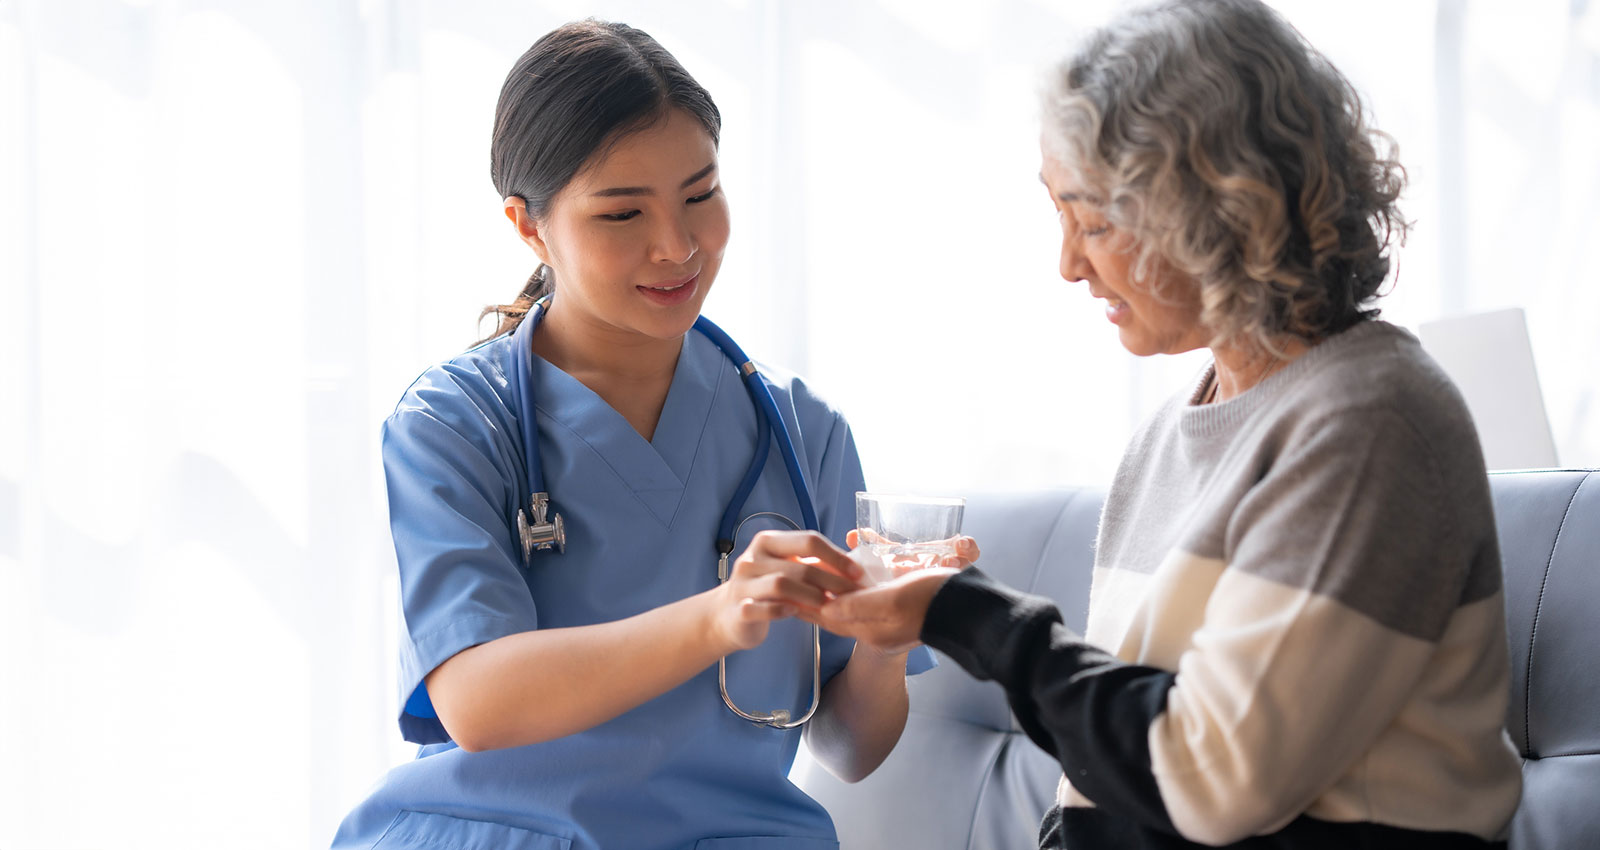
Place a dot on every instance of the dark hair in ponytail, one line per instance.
(566, 102)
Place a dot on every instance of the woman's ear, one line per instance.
(529, 229)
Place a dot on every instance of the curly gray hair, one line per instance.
(1232, 151)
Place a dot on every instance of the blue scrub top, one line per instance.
(679, 771)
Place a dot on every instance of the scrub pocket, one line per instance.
(766, 842)
(428, 831)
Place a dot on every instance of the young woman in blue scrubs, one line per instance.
(574, 702)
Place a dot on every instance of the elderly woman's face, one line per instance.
(1093, 251)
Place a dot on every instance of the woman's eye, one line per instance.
(1098, 230)
(619, 216)
(703, 197)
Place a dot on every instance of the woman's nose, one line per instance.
(1074, 266)
(674, 241)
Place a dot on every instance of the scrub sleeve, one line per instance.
(461, 583)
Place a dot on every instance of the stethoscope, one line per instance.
(540, 528)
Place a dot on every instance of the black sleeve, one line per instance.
(1089, 710)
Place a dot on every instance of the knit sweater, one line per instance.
(1296, 635)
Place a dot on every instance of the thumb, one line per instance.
(967, 549)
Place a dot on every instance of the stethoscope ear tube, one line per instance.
(768, 421)
(778, 718)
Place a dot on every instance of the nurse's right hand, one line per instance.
(780, 574)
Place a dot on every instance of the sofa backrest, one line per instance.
(964, 777)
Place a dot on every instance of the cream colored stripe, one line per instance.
(1445, 762)
(1114, 599)
(1279, 692)
(1149, 618)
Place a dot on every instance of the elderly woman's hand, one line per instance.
(887, 617)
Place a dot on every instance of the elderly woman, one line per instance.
(1295, 634)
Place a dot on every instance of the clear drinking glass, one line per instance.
(898, 534)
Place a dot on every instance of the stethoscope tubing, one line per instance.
(522, 385)
(769, 420)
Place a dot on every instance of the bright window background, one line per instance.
(231, 233)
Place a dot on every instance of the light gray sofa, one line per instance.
(964, 776)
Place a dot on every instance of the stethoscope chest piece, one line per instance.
(540, 529)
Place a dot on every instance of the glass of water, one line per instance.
(898, 534)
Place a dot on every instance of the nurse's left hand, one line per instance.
(782, 574)
(887, 617)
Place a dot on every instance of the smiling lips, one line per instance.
(671, 292)
(1116, 308)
